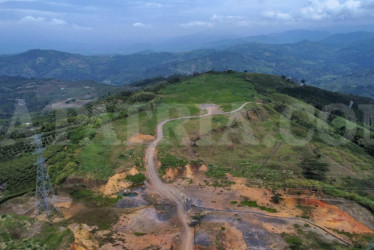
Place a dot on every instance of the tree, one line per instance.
(313, 169)
(276, 198)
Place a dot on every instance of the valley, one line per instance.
(339, 62)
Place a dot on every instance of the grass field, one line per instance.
(227, 90)
(248, 146)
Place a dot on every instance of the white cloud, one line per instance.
(153, 5)
(141, 25)
(277, 15)
(53, 21)
(319, 10)
(56, 21)
(330, 9)
(223, 18)
(239, 21)
(197, 24)
(31, 19)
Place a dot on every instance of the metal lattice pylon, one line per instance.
(44, 193)
(371, 245)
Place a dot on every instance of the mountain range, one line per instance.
(340, 62)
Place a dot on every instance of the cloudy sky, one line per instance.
(48, 23)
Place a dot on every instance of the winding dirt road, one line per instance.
(169, 191)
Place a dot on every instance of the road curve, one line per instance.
(168, 191)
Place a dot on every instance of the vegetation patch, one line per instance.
(254, 204)
(141, 97)
(170, 161)
(136, 179)
(217, 171)
(294, 242)
(103, 218)
(21, 232)
(139, 234)
(306, 211)
(91, 198)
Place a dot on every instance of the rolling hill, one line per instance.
(286, 160)
(342, 62)
(48, 94)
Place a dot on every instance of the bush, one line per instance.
(77, 135)
(249, 203)
(91, 198)
(136, 179)
(294, 242)
(276, 198)
(313, 169)
(216, 171)
(170, 161)
(139, 234)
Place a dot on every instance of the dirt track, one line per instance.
(167, 191)
(279, 217)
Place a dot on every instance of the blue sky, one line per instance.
(43, 23)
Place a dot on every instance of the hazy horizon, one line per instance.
(123, 26)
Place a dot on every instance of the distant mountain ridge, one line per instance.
(342, 62)
(293, 36)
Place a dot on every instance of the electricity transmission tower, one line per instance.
(44, 194)
(371, 245)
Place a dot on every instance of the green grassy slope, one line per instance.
(95, 144)
(264, 143)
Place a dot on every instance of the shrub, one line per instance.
(276, 198)
(139, 234)
(217, 171)
(249, 203)
(77, 135)
(294, 242)
(136, 179)
(314, 169)
(171, 161)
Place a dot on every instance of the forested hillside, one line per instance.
(341, 63)
(39, 94)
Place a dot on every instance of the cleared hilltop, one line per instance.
(251, 177)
